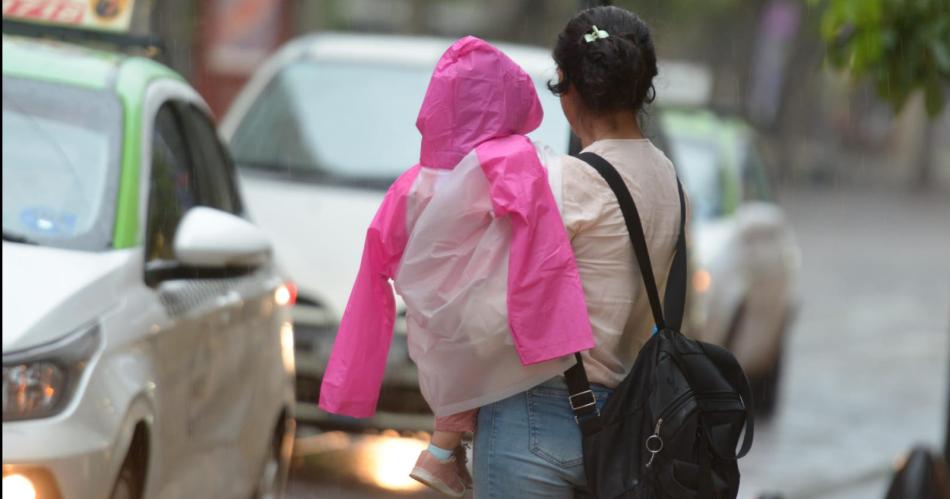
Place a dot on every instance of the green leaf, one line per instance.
(899, 46)
(941, 53)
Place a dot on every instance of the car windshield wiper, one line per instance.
(278, 166)
(17, 238)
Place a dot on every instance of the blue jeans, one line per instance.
(528, 445)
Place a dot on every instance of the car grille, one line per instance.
(308, 389)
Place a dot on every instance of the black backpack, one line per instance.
(671, 428)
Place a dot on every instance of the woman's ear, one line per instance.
(569, 106)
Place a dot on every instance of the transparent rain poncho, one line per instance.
(474, 242)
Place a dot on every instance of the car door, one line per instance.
(237, 415)
(182, 347)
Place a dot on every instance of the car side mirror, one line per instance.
(213, 239)
(211, 244)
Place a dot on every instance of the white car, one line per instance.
(744, 254)
(147, 339)
(319, 133)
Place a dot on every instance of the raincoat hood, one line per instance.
(476, 93)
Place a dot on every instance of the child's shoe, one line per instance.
(461, 462)
(442, 476)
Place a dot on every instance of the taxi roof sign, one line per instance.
(104, 24)
(93, 15)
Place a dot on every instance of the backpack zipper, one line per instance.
(676, 404)
(654, 443)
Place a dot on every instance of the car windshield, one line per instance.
(697, 163)
(60, 164)
(350, 122)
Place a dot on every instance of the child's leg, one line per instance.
(448, 433)
(460, 423)
(442, 465)
(446, 441)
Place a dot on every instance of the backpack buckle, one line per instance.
(586, 413)
(583, 404)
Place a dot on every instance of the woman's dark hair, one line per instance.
(610, 74)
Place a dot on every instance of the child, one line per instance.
(473, 240)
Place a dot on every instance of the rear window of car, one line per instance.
(698, 165)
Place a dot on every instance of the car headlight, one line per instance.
(702, 280)
(39, 382)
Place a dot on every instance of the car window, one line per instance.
(214, 172)
(61, 156)
(755, 180)
(316, 120)
(698, 164)
(171, 185)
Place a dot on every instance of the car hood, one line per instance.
(317, 231)
(48, 293)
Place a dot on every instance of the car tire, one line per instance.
(765, 387)
(274, 472)
(127, 484)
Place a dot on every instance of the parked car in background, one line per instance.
(319, 133)
(147, 339)
(744, 255)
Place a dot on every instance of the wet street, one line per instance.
(866, 372)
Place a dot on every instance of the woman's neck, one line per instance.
(619, 125)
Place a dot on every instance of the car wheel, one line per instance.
(765, 387)
(273, 476)
(130, 483)
(127, 484)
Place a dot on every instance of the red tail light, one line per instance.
(286, 294)
(293, 292)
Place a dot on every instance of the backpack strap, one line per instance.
(732, 371)
(581, 397)
(674, 297)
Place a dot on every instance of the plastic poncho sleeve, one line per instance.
(354, 374)
(547, 313)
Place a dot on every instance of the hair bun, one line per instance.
(611, 73)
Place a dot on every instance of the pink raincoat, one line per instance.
(475, 244)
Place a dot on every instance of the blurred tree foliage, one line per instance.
(900, 45)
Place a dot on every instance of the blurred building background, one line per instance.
(766, 58)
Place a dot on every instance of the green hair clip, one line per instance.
(595, 34)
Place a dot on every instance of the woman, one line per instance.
(529, 445)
